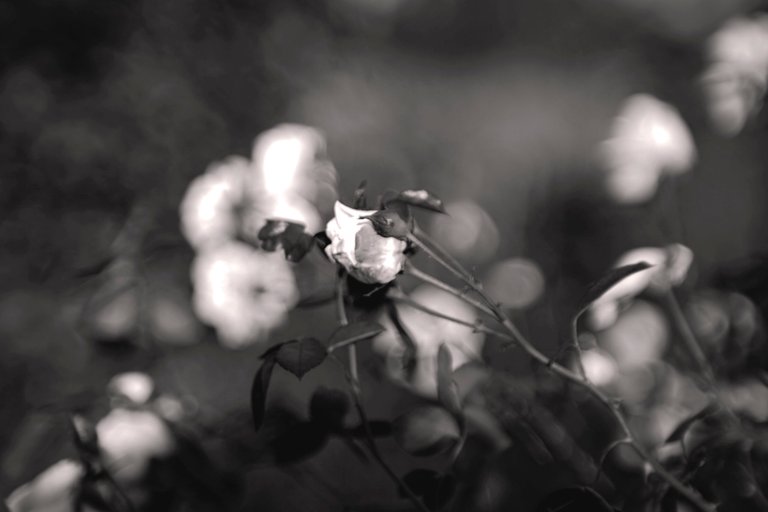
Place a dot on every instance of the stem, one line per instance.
(686, 333)
(423, 241)
(423, 276)
(494, 310)
(477, 326)
(354, 383)
(577, 346)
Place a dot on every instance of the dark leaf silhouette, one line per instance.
(447, 390)
(433, 488)
(296, 243)
(328, 407)
(300, 355)
(260, 387)
(608, 281)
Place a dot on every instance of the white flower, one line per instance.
(366, 255)
(669, 267)
(648, 139)
(135, 386)
(53, 490)
(735, 82)
(242, 292)
(129, 440)
(428, 333)
(208, 210)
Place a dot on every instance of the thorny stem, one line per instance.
(423, 276)
(423, 241)
(477, 325)
(354, 384)
(496, 312)
(686, 333)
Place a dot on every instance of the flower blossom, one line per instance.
(242, 292)
(289, 177)
(53, 490)
(355, 245)
(669, 267)
(736, 78)
(648, 139)
(428, 333)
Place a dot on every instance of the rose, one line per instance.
(355, 245)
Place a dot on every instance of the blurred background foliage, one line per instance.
(108, 109)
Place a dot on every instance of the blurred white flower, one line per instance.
(638, 337)
(428, 333)
(648, 139)
(515, 282)
(208, 210)
(292, 179)
(242, 292)
(53, 490)
(129, 440)
(366, 255)
(599, 366)
(467, 232)
(135, 386)
(735, 81)
(289, 178)
(670, 267)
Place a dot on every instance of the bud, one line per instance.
(355, 245)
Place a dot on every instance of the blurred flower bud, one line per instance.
(129, 439)
(428, 333)
(467, 232)
(242, 292)
(515, 283)
(648, 139)
(208, 210)
(137, 387)
(355, 245)
(53, 490)
(735, 81)
(669, 267)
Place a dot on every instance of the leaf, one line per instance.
(433, 488)
(377, 428)
(426, 431)
(608, 281)
(421, 199)
(298, 442)
(574, 499)
(328, 407)
(260, 387)
(447, 389)
(352, 333)
(684, 425)
(301, 355)
(289, 235)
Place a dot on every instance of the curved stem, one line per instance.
(494, 310)
(423, 276)
(354, 383)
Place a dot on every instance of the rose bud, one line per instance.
(355, 245)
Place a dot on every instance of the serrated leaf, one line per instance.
(421, 199)
(426, 431)
(574, 499)
(260, 387)
(301, 355)
(447, 389)
(608, 281)
(352, 333)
